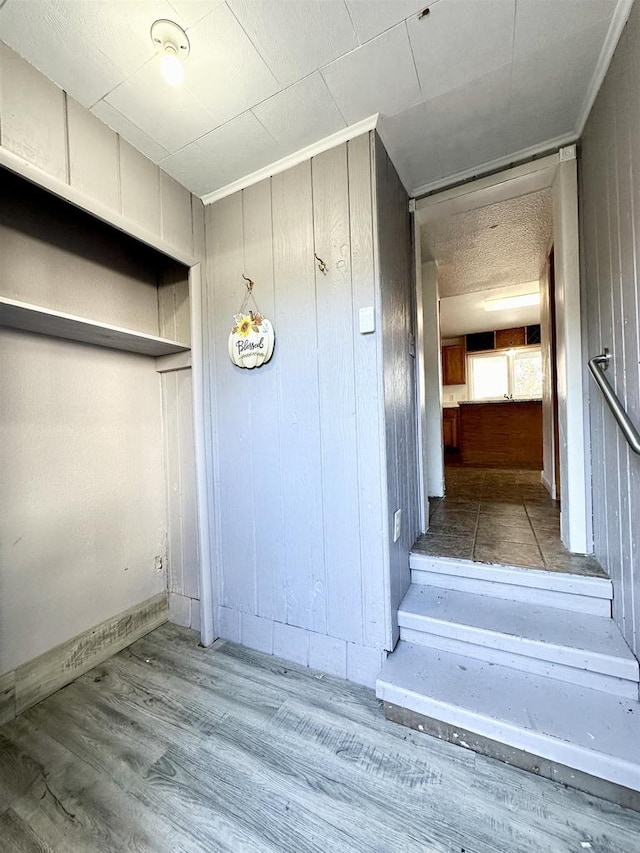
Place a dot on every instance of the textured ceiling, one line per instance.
(470, 83)
(465, 314)
(501, 244)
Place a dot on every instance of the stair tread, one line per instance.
(591, 641)
(535, 578)
(578, 726)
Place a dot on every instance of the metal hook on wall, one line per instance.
(321, 264)
(249, 282)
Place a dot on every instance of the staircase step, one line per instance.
(568, 645)
(581, 728)
(534, 586)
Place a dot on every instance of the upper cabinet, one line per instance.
(454, 365)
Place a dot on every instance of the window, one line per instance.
(513, 373)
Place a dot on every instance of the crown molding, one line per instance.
(291, 160)
(547, 147)
(618, 21)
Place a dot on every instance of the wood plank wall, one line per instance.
(610, 216)
(396, 287)
(302, 551)
(42, 125)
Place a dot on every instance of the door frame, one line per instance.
(557, 172)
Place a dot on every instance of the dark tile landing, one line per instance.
(497, 516)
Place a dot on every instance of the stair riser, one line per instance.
(595, 764)
(612, 685)
(549, 598)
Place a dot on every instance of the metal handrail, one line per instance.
(597, 365)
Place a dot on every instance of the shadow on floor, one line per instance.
(498, 516)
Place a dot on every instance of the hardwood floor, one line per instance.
(171, 747)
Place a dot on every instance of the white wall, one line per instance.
(82, 514)
(548, 415)
(61, 144)
(610, 208)
(433, 381)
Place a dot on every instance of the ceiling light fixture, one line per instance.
(523, 300)
(171, 42)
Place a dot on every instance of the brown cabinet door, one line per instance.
(450, 429)
(453, 365)
(506, 338)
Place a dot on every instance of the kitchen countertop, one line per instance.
(498, 401)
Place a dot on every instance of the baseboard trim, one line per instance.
(36, 679)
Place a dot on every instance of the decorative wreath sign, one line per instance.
(252, 337)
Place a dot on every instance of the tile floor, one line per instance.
(497, 516)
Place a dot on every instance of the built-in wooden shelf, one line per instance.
(45, 321)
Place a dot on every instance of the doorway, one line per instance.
(555, 178)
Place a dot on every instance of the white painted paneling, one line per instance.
(336, 383)
(182, 550)
(140, 188)
(371, 19)
(176, 212)
(93, 156)
(138, 138)
(379, 77)
(296, 38)
(33, 115)
(267, 457)
(368, 393)
(301, 114)
(302, 529)
(460, 41)
(610, 199)
(538, 25)
(235, 488)
(224, 71)
(396, 299)
(304, 570)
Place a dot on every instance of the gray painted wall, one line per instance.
(303, 553)
(49, 591)
(82, 512)
(398, 367)
(610, 208)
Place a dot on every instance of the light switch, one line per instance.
(367, 321)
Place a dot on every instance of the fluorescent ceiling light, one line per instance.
(523, 300)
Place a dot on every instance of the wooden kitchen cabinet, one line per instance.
(454, 364)
(506, 338)
(451, 428)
